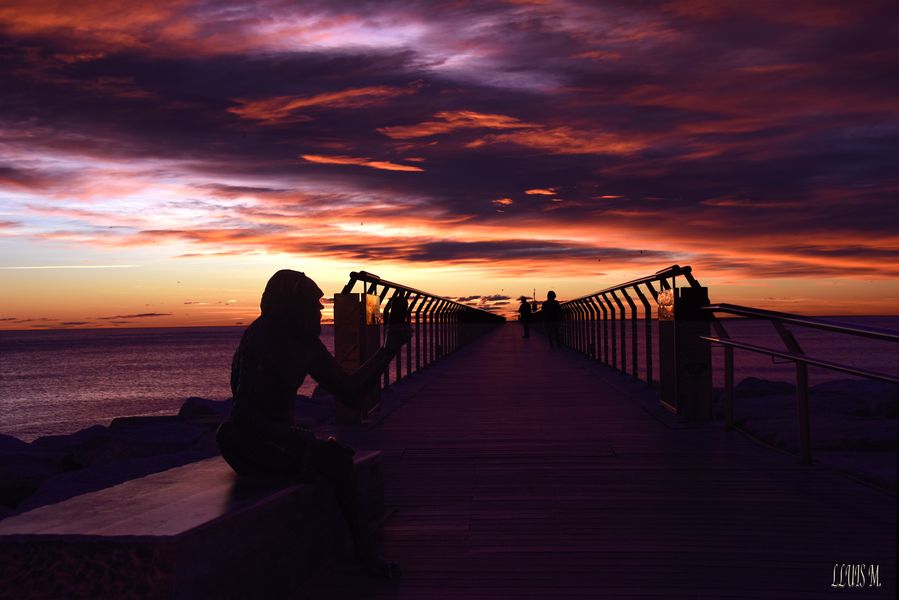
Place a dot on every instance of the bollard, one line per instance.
(685, 373)
(357, 336)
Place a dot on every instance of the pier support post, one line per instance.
(685, 370)
(357, 336)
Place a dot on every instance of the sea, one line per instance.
(60, 381)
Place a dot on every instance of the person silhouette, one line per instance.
(274, 356)
(552, 318)
(524, 315)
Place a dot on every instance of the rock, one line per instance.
(201, 409)
(9, 443)
(137, 437)
(859, 397)
(79, 446)
(753, 387)
(23, 470)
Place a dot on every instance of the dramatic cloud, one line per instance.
(554, 139)
(137, 316)
(286, 109)
(362, 162)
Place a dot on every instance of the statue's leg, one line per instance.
(335, 463)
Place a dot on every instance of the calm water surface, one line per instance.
(64, 380)
(61, 381)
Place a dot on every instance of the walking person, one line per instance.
(524, 315)
(552, 318)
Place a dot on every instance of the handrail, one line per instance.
(441, 325)
(373, 279)
(793, 353)
(596, 324)
(826, 325)
(817, 362)
(670, 272)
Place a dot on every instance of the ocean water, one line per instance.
(61, 381)
(862, 353)
(54, 382)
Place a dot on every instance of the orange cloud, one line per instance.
(453, 120)
(565, 140)
(283, 109)
(362, 162)
(541, 192)
(96, 25)
(503, 202)
(558, 140)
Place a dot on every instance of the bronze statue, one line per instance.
(276, 353)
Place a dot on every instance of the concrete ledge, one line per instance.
(189, 532)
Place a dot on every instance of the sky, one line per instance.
(160, 160)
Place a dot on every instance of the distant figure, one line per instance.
(552, 318)
(275, 354)
(524, 315)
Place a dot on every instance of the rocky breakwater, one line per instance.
(53, 468)
(853, 423)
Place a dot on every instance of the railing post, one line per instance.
(421, 334)
(613, 343)
(685, 373)
(357, 327)
(412, 306)
(802, 407)
(457, 325)
(585, 326)
(634, 351)
(593, 343)
(605, 329)
(728, 388)
(623, 321)
(444, 330)
(577, 321)
(647, 318)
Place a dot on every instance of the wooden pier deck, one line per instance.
(517, 471)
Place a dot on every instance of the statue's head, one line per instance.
(295, 299)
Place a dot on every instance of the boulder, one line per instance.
(137, 437)
(9, 443)
(23, 469)
(859, 397)
(79, 447)
(201, 409)
(753, 387)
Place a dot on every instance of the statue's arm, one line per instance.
(353, 386)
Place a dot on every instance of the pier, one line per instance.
(548, 476)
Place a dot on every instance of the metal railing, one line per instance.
(441, 326)
(601, 324)
(793, 353)
(592, 324)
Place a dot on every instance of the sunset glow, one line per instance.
(158, 162)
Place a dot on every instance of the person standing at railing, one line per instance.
(552, 318)
(275, 354)
(524, 315)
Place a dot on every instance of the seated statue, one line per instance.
(276, 353)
